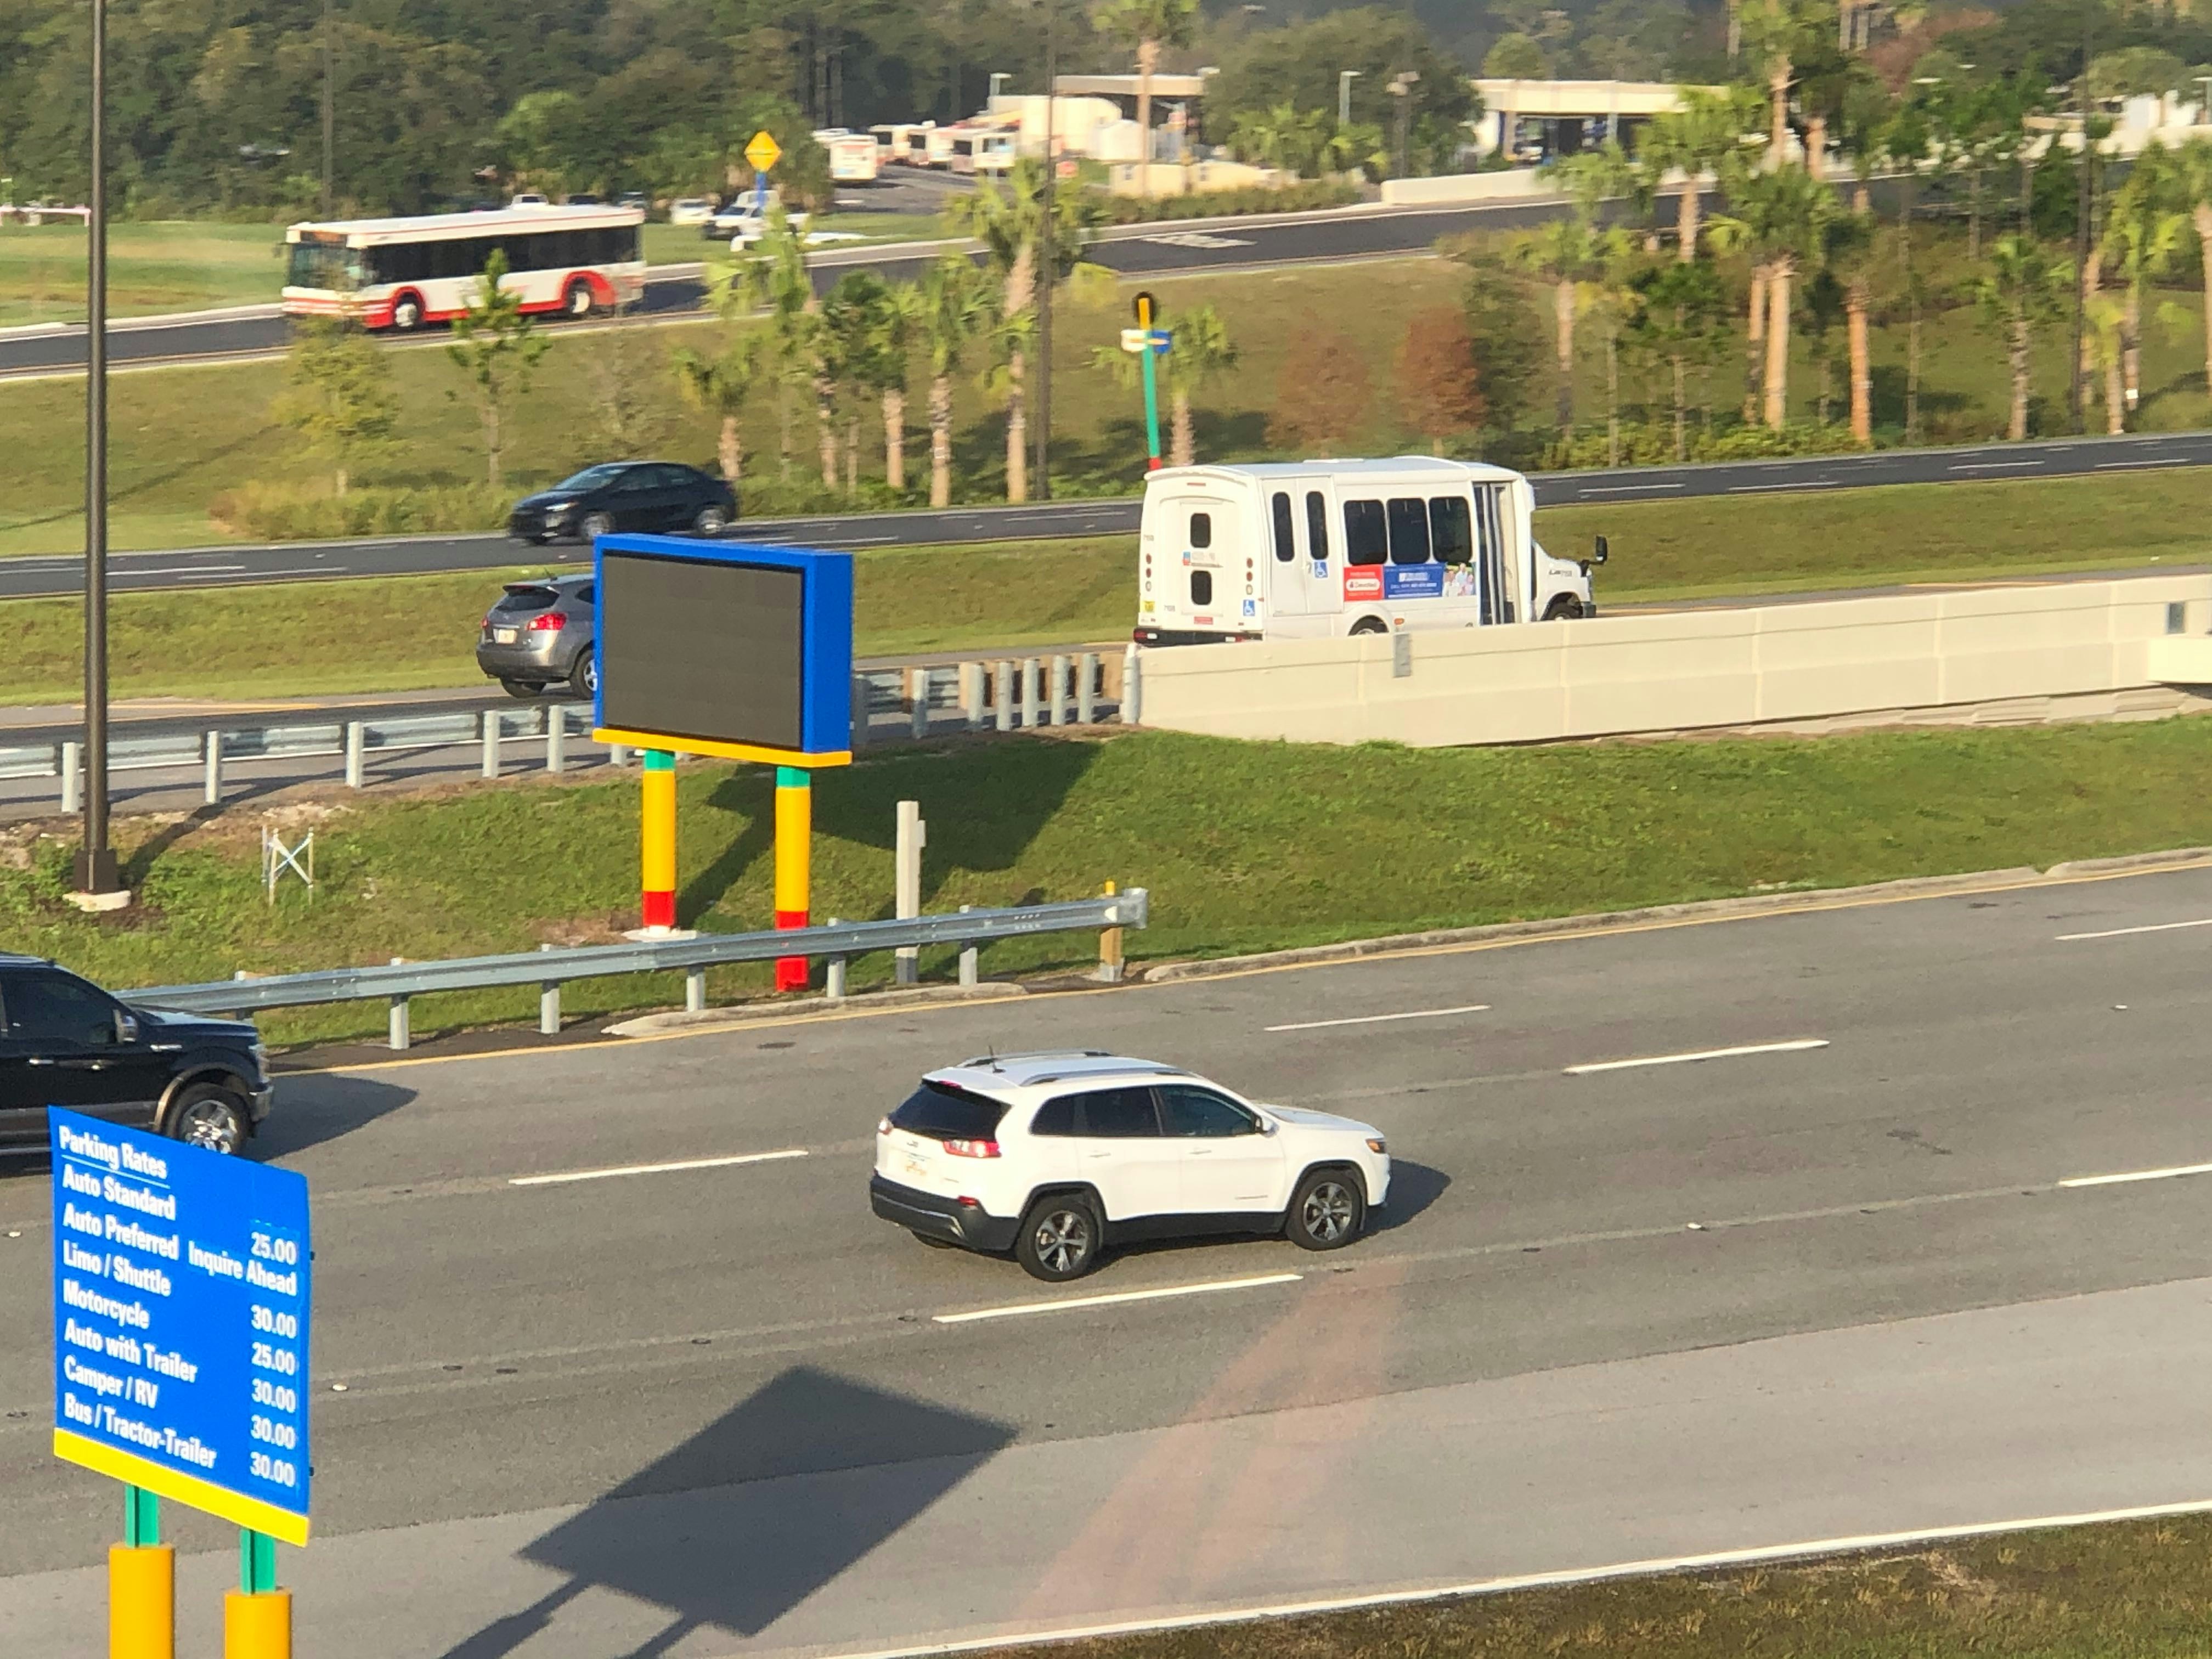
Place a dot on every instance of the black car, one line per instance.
(65, 1041)
(624, 495)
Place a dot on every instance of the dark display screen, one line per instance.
(707, 650)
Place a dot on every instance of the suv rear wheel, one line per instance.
(1327, 1212)
(209, 1115)
(521, 687)
(586, 675)
(1059, 1238)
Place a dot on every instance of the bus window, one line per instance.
(1202, 588)
(1451, 526)
(1316, 527)
(1285, 528)
(1365, 539)
(1201, 530)
(1409, 530)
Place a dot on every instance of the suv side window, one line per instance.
(1055, 1118)
(1118, 1114)
(1191, 1112)
(49, 1007)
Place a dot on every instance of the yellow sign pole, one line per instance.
(141, 1583)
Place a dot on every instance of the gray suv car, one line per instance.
(540, 634)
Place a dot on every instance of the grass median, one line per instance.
(399, 634)
(1244, 847)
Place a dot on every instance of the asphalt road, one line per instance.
(1610, 1315)
(48, 576)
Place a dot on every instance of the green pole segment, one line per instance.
(142, 1517)
(256, 1562)
(793, 777)
(1152, 408)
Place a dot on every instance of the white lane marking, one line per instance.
(1792, 1047)
(1590, 1575)
(2114, 466)
(1377, 1020)
(2147, 927)
(1116, 1297)
(1991, 466)
(654, 1168)
(1810, 483)
(2138, 1174)
(1625, 490)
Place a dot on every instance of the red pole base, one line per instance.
(791, 972)
(658, 910)
(1153, 462)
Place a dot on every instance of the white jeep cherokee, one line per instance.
(1056, 1156)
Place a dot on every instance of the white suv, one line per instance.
(1056, 1156)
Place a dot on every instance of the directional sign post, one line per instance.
(182, 1290)
(1156, 340)
(763, 153)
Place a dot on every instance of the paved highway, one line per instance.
(1787, 1294)
(46, 576)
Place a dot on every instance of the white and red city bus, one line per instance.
(402, 273)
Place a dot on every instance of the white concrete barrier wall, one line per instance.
(1684, 670)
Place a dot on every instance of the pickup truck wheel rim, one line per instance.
(1327, 1213)
(1063, 1240)
(210, 1124)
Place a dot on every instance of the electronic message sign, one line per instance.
(723, 648)
(182, 1285)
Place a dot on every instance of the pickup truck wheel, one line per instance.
(1327, 1212)
(1565, 608)
(209, 1115)
(1059, 1238)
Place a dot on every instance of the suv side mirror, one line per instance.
(1598, 553)
(126, 1028)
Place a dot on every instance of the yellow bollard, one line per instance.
(142, 1601)
(257, 1625)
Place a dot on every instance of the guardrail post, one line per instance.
(491, 743)
(1029, 694)
(1109, 950)
(556, 739)
(618, 754)
(549, 1005)
(694, 991)
(973, 676)
(1086, 688)
(917, 686)
(1133, 687)
(833, 978)
(1002, 701)
(357, 741)
(211, 790)
(859, 709)
(966, 958)
(912, 837)
(72, 771)
(396, 1023)
(1058, 690)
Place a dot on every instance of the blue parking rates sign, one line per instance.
(182, 1285)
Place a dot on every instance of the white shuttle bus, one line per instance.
(1310, 549)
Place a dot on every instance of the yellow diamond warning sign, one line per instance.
(763, 152)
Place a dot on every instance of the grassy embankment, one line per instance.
(1243, 846)
(420, 631)
(183, 437)
(2133, 1589)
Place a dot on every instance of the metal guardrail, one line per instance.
(548, 969)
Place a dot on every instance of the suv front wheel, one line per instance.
(209, 1115)
(1059, 1238)
(1327, 1212)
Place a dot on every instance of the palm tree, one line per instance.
(952, 308)
(1147, 25)
(2022, 285)
(1677, 315)
(1566, 253)
(774, 276)
(1692, 140)
(2192, 166)
(722, 384)
(1783, 217)
(2142, 238)
(1201, 351)
(1852, 254)
(863, 324)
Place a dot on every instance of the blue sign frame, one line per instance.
(183, 1289)
(825, 648)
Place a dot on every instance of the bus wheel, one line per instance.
(579, 301)
(1565, 608)
(1370, 625)
(407, 313)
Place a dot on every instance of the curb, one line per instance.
(750, 1013)
(1698, 910)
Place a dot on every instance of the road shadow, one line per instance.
(698, 1535)
(314, 1107)
(1414, 1188)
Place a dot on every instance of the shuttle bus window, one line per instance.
(1286, 547)
(1201, 530)
(1202, 588)
(1409, 530)
(1365, 541)
(1451, 526)
(1316, 527)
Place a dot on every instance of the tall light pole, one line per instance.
(1048, 269)
(1344, 80)
(330, 106)
(1401, 89)
(95, 861)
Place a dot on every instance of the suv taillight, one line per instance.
(550, 622)
(883, 1126)
(972, 1148)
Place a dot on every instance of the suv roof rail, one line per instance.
(994, 1062)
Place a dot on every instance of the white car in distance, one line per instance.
(690, 210)
(1056, 1157)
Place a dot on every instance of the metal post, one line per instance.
(1003, 700)
(549, 1005)
(967, 959)
(917, 691)
(973, 676)
(1344, 80)
(1058, 690)
(256, 1616)
(794, 850)
(211, 787)
(1152, 381)
(618, 754)
(357, 744)
(1109, 950)
(491, 743)
(142, 1597)
(657, 842)
(396, 1025)
(1086, 688)
(912, 837)
(833, 977)
(1133, 687)
(1029, 694)
(95, 859)
(557, 739)
(694, 991)
(72, 776)
(859, 709)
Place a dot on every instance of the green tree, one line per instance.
(2020, 285)
(773, 277)
(496, 346)
(865, 322)
(1782, 218)
(2143, 235)
(1505, 336)
(338, 394)
(1516, 58)
(1677, 319)
(2193, 180)
(721, 383)
(1148, 25)
(1692, 140)
(1439, 390)
(1567, 253)
(953, 307)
